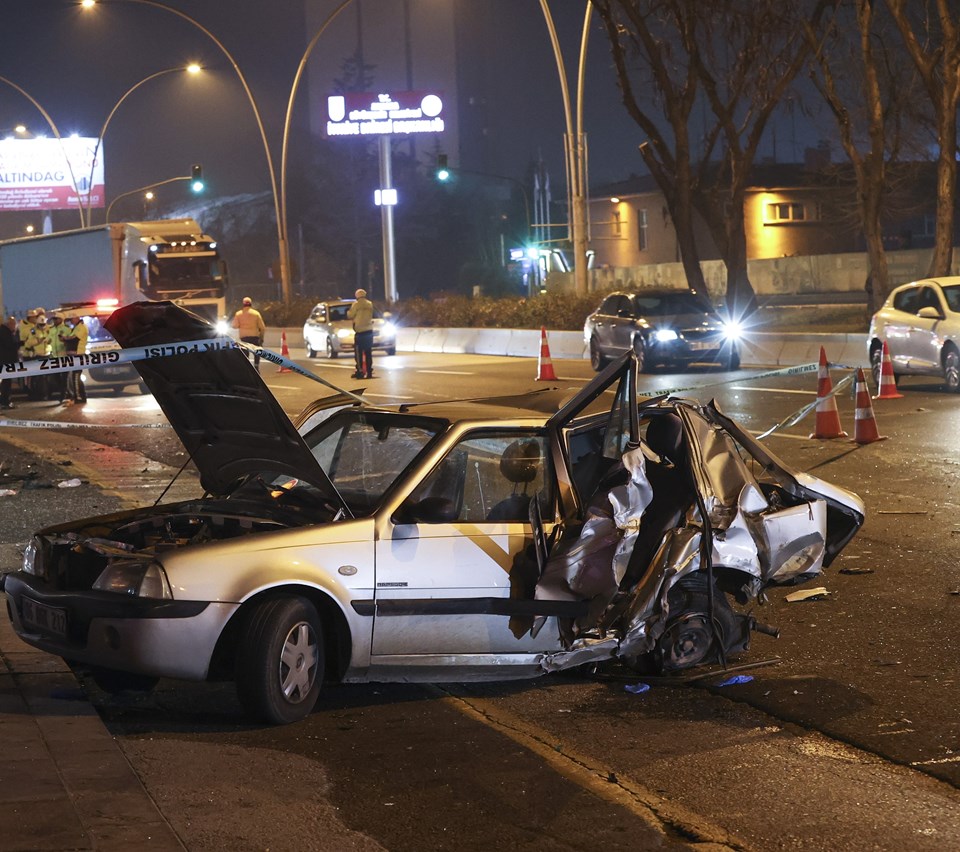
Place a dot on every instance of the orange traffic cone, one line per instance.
(545, 371)
(828, 418)
(284, 351)
(864, 421)
(888, 384)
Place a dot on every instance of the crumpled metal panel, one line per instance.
(795, 541)
(736, 546)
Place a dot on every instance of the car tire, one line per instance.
(280, 660)
(331, 351)
(951, 369)
(733, 360)
(116, 390)
(311, 352)
(391, 350)
(597, 360)
(876, 365)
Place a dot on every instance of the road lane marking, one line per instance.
(601, 781)
(773, 390)
(448, 372)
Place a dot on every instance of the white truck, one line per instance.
(92, 271)
(115, 264)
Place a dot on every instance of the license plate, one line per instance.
(114, 371)
(48, 619)
(702, 345)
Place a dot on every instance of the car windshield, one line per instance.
(364, 453)
(97, 333)
(952, 295)
(667, 304)
(338, 313)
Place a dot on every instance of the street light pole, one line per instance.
(56, 132)
(575, 147)
(281, 240)
(191, 69)
(149, 186)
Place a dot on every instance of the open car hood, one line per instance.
(226, 417)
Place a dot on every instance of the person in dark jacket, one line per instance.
(9, 353)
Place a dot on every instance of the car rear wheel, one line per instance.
(597, 361)
(876, 364)
(951, 370)
(331, 351)
(280, 660)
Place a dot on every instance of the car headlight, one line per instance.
(139, 579)
(32, 564)
(222, 328)
(663, 335)
(733, 331)
(344, 332)
(388, 329)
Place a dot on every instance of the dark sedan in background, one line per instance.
(664, 328)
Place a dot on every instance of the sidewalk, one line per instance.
(65, 784)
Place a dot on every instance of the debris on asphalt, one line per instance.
(855, 570)
(735, 680)
(637, 688)
(807, 595)
(70, 483)
(7, 492)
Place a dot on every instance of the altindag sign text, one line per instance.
(50, 174)
(395, 113)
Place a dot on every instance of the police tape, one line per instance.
(48, 365)
(798, 370)
(283, 361)
(66, 424)
(799, 414)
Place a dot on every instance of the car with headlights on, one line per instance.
(329, 330)
(479, 539)
(920, 323)
(662, 327)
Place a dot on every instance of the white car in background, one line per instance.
(329, 330)
(920, 323)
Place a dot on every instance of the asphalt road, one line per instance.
(849, 741)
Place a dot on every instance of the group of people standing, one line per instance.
(36, 337)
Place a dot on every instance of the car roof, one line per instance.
(942, 280)
(334, 303)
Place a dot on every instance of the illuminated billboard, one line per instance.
(50, 174)
(396, 114)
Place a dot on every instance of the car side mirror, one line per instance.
(930, 312)
(429, 510)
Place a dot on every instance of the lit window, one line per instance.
(786, 211)
(642, 229)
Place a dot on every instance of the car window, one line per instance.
(952, 294)
(907, 300)
(490, 476)
(318, 314)
(338, 313)
(668, 304)
(364, 453)
(609, 305)
(624, 307)
(930, 299)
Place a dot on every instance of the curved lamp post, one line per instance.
(53, 127)
(575, 147)
(193, 68)
(149, 186)
(281, 239)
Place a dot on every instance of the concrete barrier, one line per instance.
(759, 349)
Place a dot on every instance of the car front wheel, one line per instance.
(391, 350)
(597, 361)
(280, 660)
(644, 364)
(951, 370)
(311, 352)
(332, 351)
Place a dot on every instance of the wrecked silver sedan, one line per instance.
(484, 539)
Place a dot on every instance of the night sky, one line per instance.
(77, 64)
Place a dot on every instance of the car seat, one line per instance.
(673, 493)
(520, 464)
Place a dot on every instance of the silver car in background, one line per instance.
(920, 323)
(329, 330)
(663, 328)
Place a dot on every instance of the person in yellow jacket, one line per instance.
(76, 344)
(361, 312)
(250, 326)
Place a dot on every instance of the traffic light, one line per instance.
(443, 173)
(196, 179)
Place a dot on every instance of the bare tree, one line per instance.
(932, 36)
(862, 79)
(735, 58)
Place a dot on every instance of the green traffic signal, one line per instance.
(196, 179)
(443, 173)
